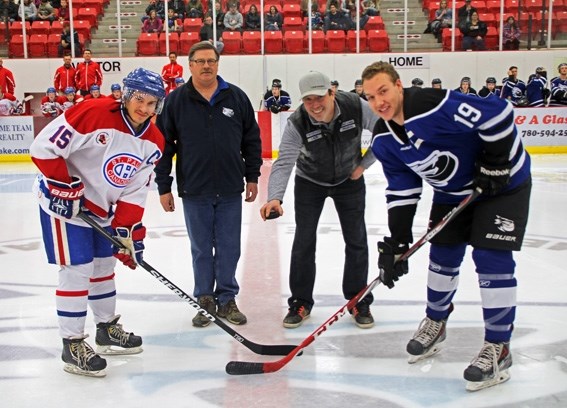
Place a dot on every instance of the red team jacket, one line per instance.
(7, 83)
(64, 77)
(88, 74)
(168, 73)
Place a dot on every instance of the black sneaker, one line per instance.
(80, 358)
(112, 339)
(296, 314)
(208, 303)
(230, 312)
(362, 315)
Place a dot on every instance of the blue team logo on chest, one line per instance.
(437, 168)
(120, 168)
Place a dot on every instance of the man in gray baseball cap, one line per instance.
(322, 139)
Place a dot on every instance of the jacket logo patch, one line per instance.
(119, 169)
(228, 112)
(347, 125)
(102, 138)
(315, 135)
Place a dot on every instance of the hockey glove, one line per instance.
(133, 239)
(492, 178)
(65, 198)
(389, 253)
(275, 108)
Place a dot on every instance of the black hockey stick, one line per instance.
(265, 349)
(243, 367)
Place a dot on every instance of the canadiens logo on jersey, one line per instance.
(102, 138)
(119, 169)
(437, 168)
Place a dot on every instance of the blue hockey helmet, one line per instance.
(145, 81)
(115, 87)
(51, 90)
(179, 81)
(69, 90)
(95, 88)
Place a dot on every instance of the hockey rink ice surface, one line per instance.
(183, 366)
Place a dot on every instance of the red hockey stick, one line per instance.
(244, 368)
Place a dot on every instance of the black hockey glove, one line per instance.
(275, 109)
(564, 96)
(492, 178)
(389, 253)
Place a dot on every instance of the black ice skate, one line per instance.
(80, 358)
(112, 339)
(490, 367)
(427, 339)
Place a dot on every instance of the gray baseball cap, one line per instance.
(314, 83)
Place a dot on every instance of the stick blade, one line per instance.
(244, 368)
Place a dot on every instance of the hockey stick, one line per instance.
(264, 349)
(244, 368)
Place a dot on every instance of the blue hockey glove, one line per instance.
(65, 199)
(389, 253)
(492, 178)
(133, 239)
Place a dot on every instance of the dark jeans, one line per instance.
(214, 225)
(349, 199)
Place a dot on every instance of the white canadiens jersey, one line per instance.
(94, 141)
(7, 107)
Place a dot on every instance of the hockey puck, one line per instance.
(272, 215)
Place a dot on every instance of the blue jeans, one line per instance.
(214, 225)
(349, 199)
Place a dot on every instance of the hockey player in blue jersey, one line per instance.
(513, 88)
(454, 143)
(489, 89)
(536, 90)
(559, 87)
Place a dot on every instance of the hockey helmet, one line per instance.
(276, 83)
(563, 64)
(179, 81)
(334, 82)
(145, 81)
(466, 80)
(417, 82)
(358, 82)
(51, 90)
(436, 81)
(490, 80)
(115, 87)
(69, 90)
(95, 88)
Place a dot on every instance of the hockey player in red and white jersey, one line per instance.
(97, 157)
(8, 104)
(70, 96)
(51, 103)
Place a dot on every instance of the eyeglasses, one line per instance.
(201, 62)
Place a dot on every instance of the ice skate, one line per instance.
(80, 358)
(490, 367)
(112, 339)
(427, 339)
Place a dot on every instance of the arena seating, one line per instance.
(16, 46)
(37, 46)
(232, 42)
(293, 42)
(273, 42)
(186, 41)
(40, 27)
(251, 42)
(317, 42)
(351, 41)
(378, 41)
(147, 44)
(173, 43)
(336, 41)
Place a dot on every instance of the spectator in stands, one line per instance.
(220, 17)
(46, 12)
(158, 6)
(253, 19)
(335, 20)
(536, 88)
(7, 82)
(273, 20)
(65, 42)
(206, 33)
(474, 32)
(115, 92)
(174, 23)
(170, 72)
(304, 8)
(88, 73)
(464, 14)
(8, 11)
(335, 85)
(513, 88)
(341, 6)
(233, 20)
(358, 89)
(465, 87)
(277, 100)
(63, 11)
(30, 11)
(153, 24)
(64, 76)
(194, 9)
(489, 89)
(178, 7)
(371, 7)
(436, 83)
(558, 87)
(443, 19)
(353, 16)
(317, 22)
(511, 34)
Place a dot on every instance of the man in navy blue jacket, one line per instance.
(210, 125)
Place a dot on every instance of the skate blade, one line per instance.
(73, 369)
(479, 385)
(414, 359)
(117, 351)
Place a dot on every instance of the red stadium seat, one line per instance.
(293, 42)
(251, 42)
(88, 14)
(378, 41)
(2, 31)
(16, 46)
(273, 42)
(491, 39)
(446, 39)
(83, 27)
(173, 43)
(147, 44)
(56, 27)
(192, 24)
(53, 41)
(317, 41)
(374, 23)
(511, 6)
(37, 46)
(232, 42)
(40, 27)
(489, 19)
(336, 41)
(291, 10)
(98, 5)
(293, 24)
(186, 41)
(16, 28)
(493, 6)
(479, 5)
(351, 41)
(533, 6)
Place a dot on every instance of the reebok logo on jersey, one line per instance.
(119, 169)
(504, 224)
(484, 283)
(228, 112)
